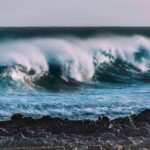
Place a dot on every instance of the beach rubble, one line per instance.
(132, 132)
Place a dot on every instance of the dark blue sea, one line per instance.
(76, 73)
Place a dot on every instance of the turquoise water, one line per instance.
(87, 103)
(78, 73)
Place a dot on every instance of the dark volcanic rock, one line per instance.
(142, 117)
(109, 134)
(17, 117)
(126, 126)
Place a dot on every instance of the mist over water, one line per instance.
(75, 58)
(74, 77)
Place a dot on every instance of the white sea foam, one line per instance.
(78, 57)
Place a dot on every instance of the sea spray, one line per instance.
(74, 76)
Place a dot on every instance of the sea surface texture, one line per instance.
(77, 73)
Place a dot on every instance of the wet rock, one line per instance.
(107, 146)
(19, 136)
(144, 149)
(144, 144)
(3, 132)
(56, 148)
(111, 126)
(17, 117)
(144, 132)
(109, 137)
(129, 147)
(129, 132)
(117, 147)
(127, 142)
(142, 117)
(125, 121)
(81, 147)
(55, 140)
(95, 147)
(102, 121)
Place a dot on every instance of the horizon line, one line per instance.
(75, 26)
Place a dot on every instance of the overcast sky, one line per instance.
(74, 12)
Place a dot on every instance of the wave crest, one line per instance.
(52, 63)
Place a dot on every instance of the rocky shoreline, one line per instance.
(126, 133)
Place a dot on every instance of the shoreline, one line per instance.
(132, 132)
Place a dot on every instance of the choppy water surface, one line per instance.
(74, 77)
(110, 100)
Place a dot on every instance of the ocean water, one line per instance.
(76, 73)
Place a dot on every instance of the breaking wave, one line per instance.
(67, 63)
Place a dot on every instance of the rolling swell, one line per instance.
(68, 63)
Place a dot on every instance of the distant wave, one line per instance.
(55, 63)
